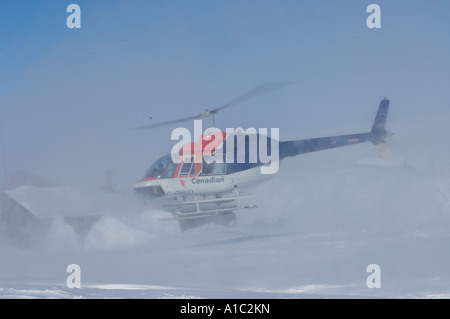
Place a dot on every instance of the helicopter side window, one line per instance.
(187, 168)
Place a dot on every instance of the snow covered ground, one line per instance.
(319, 223)
(69, 97)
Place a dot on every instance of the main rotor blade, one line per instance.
(255, 92)
(250, 94)
(184, 119)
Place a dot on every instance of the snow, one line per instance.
(320, 222)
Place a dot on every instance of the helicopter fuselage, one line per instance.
(199, 182)
(192, 175)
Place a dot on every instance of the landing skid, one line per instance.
(199, 210)
(227, 219)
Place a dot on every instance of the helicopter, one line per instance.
(206, 180)
(202, 181)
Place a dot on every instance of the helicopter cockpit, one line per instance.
(164, 167)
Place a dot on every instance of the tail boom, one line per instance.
(377, 136)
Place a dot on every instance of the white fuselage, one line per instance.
(204, 185)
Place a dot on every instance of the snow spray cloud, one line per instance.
(257, 145)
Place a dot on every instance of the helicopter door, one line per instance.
(213, 168)
(187, 167)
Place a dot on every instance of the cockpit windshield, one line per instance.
(162, 168)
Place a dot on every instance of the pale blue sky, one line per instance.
(68, 97)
